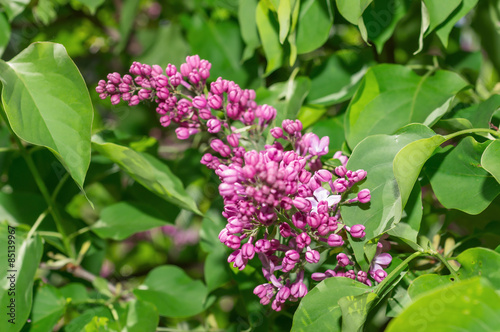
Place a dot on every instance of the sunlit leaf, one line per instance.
(47, 103)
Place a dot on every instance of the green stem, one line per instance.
(79, 232)
(51, 234)
(445, 263)
(397, 270)
(472, 131)
(41, 186)
(36, 224)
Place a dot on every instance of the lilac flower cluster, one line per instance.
(281, 205)
(180, 97)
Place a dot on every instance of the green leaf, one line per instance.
(14, 7)
(391, 96)
(352, 10)
(286, 97)
(216, 271)
(121, 220)
(480, 262)
(439, 11)
(74, 293)
(473, 187)
(141, 316)
(333, 128)
(409, 225)
(410, 160)
(173, 292)
(348, 67)
(490, 160)
(221, 44)
(266, 25)
(310, 115)
(127, 20)
(284, 17)
(319, 310)
(47, 103)
(470, 305)
(27, 257)
(381, 18)
(92, 5)
(479, 115)
(211, 226)
(248, 27)
(78, 324)
(375, 155)
(14, 210)
(149, 172)
(314, 24)
(355, 309)
(48, 307)
(427, 283)
(444, 29)
(4, 33)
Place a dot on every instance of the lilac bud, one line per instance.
(229, 176)
(340, 171)
(357, 231)
(335, 240)
(283, 294)
(226, 189)
(360, 175)
(262, 245)
(233, 140)
(156, 70)
(343, 260)
(292, 255)
(185, 69)
(277, 132)
(193, 61)
(312, 256)
(144, 94)
(205, 114)
(204, 73)
(251, 158)
(194, 77)
(305, 176)
(299, 220)
(248, 251)
(216, 87)
(378, 275)
(135, 68)
(302, 204)
(176, 79)
(298, 290)
(318, 276)
(165, 120)
(232, 257)
(215, 102)
(303, 240)
(184, 133)
(223, 235)
(364, 196)
(233, 242)
(146, 70)
(285, 230)
(362, 276)
(134, 100)
(115, 99)
(171, 70)
(214, 126)
(199, 101)
(323, 175)
(114, 78)
(111, 88)
(350, 274)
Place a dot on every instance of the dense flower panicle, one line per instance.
(281, 205)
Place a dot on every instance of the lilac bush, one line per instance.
(281, 203)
